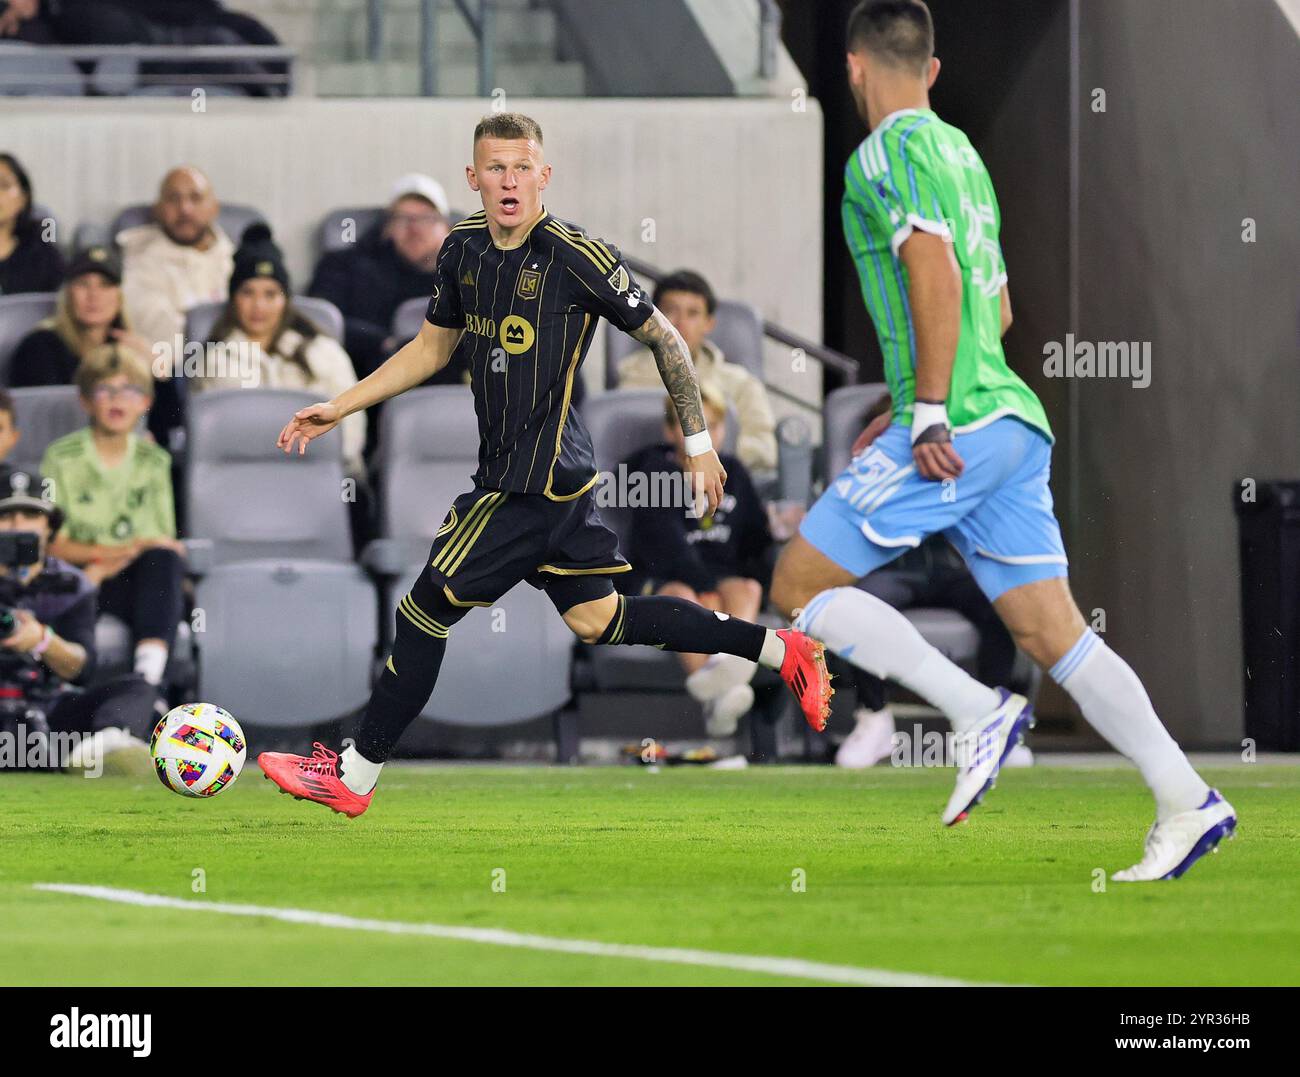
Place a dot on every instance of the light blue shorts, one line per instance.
(998, 514)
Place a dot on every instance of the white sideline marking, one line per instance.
(772, 966)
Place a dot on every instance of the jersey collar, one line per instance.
(527, 232)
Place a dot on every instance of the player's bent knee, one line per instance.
(589, 620)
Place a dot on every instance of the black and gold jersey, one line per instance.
(529, 314)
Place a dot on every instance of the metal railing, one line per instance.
(842, 364)
(176, 55)
(479, 15)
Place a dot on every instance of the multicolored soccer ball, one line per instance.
(198, 749)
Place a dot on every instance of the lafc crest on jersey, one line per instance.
(529, 279)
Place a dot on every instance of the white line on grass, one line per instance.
(772, 966)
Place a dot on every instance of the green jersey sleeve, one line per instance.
(893, 184)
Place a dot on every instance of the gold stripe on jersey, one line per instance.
(596, 247)
(594, 252)
(617, 634)
(474, 220)
(469, 542)
(564, 415)
(452, 518)
(460, 532)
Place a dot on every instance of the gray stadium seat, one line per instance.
(738, 332)
(18, 316)
(200, 318)
(408, 319)
(247, 496)
(115, 76)
(429, 443)
(91, 234)
(30, 71)
(330, 236)
(42, 415)
(232, 217)
(286, 643)
(845, 414)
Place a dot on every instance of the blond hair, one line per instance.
(509, 125)
(65, 325)
(107, 361)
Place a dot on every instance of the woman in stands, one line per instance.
(116, 491)
(29, 260)
(88, 314)
(271, 345)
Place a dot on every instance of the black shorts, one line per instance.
(492, 539)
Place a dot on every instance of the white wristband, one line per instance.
(698, 444)
(925, 416)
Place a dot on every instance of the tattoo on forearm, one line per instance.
(675, 367)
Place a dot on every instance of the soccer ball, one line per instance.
(198, 749)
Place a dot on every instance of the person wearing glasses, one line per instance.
(379, 269)
(115, 488)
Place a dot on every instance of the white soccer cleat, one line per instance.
(720, 674)
(722, 715)
(114, 750)
(981, 751)
(1176, 844)
(871, 741)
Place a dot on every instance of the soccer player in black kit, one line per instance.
(522, 292)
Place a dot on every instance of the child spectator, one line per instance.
(115, 489)
(291, 352)
(712, 560)
(688, 302)
(27, 262)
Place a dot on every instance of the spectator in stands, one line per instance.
(179, 260)
(23, 21)
(290, 351)
(12, 480)
(389, 264)
(716, 561)
(933, 575)
(169, 22)
(54, 604)
(29, 259)
(88, 314)
(116, 490)
(689, 303)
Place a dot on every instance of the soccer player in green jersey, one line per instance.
(967, 454)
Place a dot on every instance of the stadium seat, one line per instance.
(408, 319)
(286, 642)
(43, 414)
(30, 71)
(845, 414)
(200, 319)
(428, 450)
(738, 332)
(18, 316)
(233, 218)
(330, 235)
(247, 496)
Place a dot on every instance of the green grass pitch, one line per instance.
(675, 858)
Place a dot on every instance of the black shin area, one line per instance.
(424, 618)
(678, 625)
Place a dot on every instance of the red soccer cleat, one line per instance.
(315, 778)
(804, 670)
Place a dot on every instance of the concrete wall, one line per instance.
(1201, 130)
(701, 170)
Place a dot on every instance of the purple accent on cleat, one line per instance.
(1209, 840)
(1023, 723)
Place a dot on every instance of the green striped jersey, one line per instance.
(529, 313)
(916, 172)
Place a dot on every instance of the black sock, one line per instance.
(404, 686)
(678, 625)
